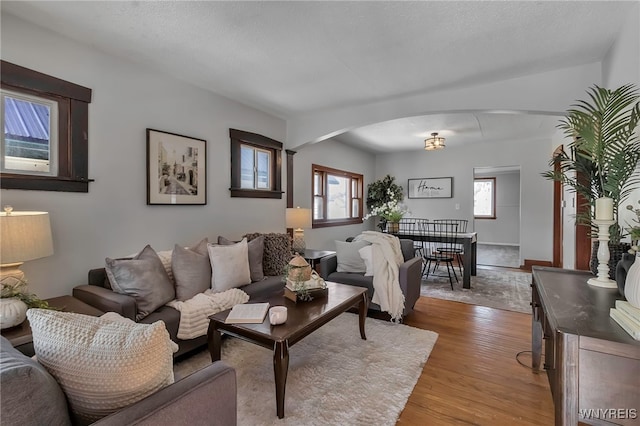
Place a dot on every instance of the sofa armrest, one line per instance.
(410, 280)
(328, 265)
(208, 396)
(106, 300)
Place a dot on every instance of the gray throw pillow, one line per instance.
(348, 257)
(256, 251)
(191, 270)
(30, 395)
(144, 278)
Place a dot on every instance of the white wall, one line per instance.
(329, 153)
(536, 222)
(505, 228)
(113, 218)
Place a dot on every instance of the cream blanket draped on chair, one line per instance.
(387, 256)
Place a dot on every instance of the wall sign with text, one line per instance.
(441, 187)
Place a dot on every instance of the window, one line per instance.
(337, 197)
(255, 165)
(484, 198)
(44, 145)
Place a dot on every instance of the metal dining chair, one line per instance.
(443, 250)
(458, 248)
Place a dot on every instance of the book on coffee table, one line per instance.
(247, 313)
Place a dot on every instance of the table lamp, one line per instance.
(298, 219)
(23, 236)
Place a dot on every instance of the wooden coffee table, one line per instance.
(302, 319)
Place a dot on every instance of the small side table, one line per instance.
(20, 335)
(313, 256)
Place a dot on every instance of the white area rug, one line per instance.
(335, 377)
(509, 290)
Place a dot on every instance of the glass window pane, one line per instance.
(337, 197)
(355, 205)
(354, 188)
(317, 183)
(29, 135)
(263, 169)
(247, 167)
(317, 208)
(483, 198)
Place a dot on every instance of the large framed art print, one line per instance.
(440, 187)
(176, 169)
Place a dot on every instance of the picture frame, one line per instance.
(439, 187)
(176, 169)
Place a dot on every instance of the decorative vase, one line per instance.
(632, 284)
(393, 227)
(622, 269)
(13, 311)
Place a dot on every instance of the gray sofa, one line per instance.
(98, 293)
(410, 276)
(31, 397)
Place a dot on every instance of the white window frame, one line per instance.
(256, 152)
(38, 165)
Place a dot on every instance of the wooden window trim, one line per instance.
(73, 130)
(492, 216)
(324, 223)
(239, 138)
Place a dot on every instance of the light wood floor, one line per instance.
(472, 376)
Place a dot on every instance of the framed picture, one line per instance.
(441, 187)
(176, 169)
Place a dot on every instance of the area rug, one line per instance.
(498, 255)
(335, 377)
(509, 290)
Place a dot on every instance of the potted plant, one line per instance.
(383, 200)
(15, 300)
(602, 157)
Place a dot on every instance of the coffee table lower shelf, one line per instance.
(303, 318)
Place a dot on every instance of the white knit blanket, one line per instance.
(195, 312)
(386, 257)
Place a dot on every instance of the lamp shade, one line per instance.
(298, 218)
(24, 236)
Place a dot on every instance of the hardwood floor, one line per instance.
(472, 376)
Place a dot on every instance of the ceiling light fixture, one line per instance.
(434, 142)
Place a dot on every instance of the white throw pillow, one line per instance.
(229, 265)
(101, 365)
(366, 253)
(348, 257)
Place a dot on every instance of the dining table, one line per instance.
(468, 240)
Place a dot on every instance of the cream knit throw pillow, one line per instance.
(101, 365)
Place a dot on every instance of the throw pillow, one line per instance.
(144, 278)
(277, 252)
(191, 270)
(256, 252)
(348, 257)
(366, 253)
(30, 395)
(101, 365)
(229, 266)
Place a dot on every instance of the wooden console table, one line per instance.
(591, 362)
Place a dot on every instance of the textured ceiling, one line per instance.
(293, 58)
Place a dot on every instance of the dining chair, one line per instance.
(443, 250)
(458, 248)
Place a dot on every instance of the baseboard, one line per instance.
(528, 263)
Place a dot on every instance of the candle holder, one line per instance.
(602, 280)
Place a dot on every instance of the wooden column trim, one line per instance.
(290, 155)
(557, 213)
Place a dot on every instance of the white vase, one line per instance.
(632, 283)
(13, 311)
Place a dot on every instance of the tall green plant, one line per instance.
(604, 150)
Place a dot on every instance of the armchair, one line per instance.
(410, 276)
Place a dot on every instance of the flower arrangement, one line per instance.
(391, 211)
